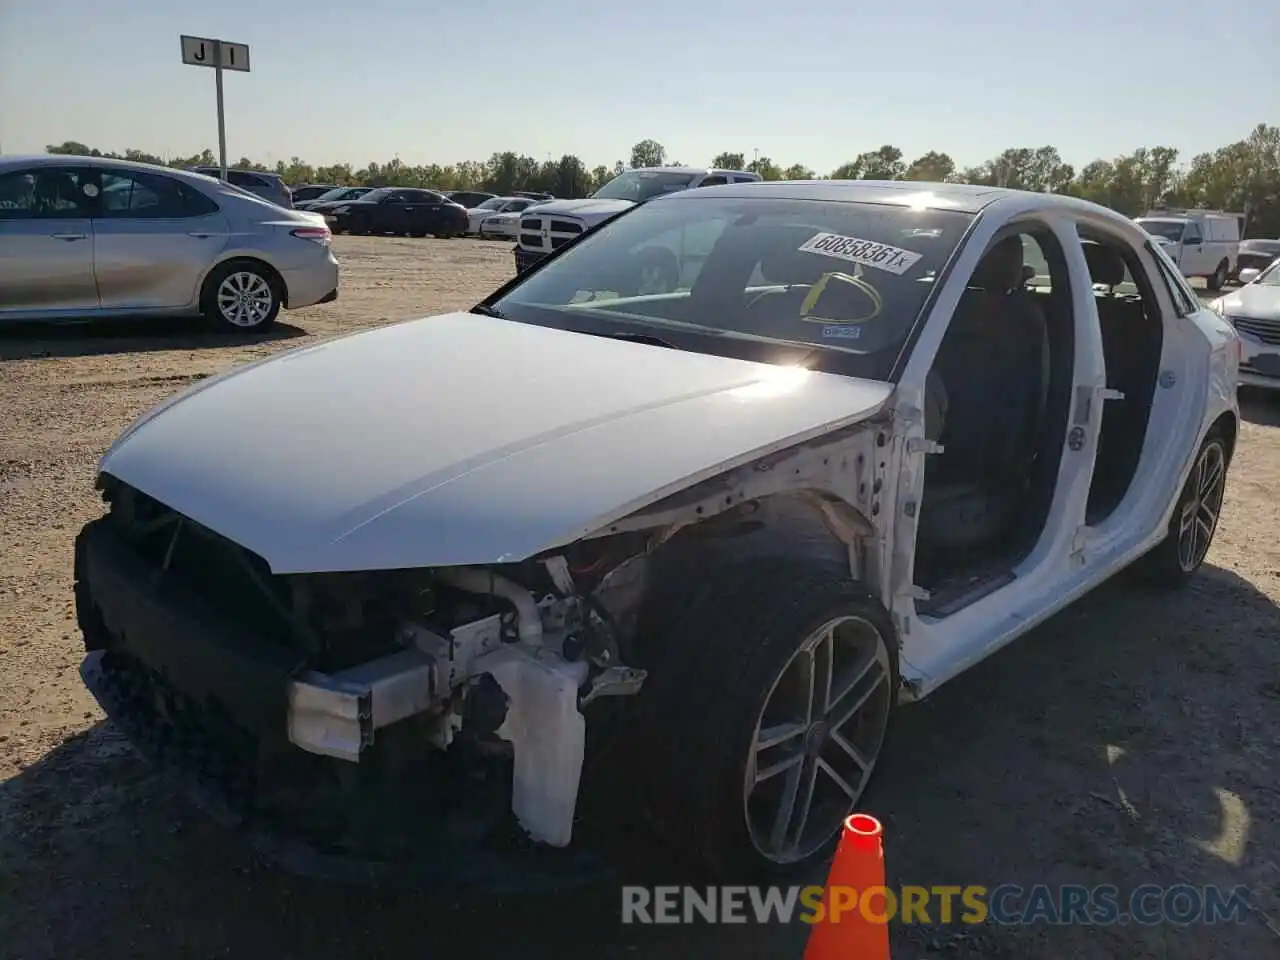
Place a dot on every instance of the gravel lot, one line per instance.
(1130, 740)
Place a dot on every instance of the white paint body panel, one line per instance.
(1070, 558)
(461, 439)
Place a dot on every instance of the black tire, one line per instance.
(336, 230)
(1219, 278)
(729, 649)
(417, 234)
(260, 286)
(1173, 562)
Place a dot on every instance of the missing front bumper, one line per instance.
(208, 706)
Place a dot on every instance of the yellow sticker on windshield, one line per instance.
(871, 309)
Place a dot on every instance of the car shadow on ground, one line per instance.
(1260, 406)
(31, 341)
(1129, 740)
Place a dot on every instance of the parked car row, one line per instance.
(417, 212)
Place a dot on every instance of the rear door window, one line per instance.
(147, 196)
(45, 193)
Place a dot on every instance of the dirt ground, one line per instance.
(1133, 739)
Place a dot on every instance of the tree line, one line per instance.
(1243, 177)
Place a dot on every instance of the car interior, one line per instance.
(1132, 342)
(999, 398)
(1001, 385)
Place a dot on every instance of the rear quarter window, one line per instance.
(242, 179)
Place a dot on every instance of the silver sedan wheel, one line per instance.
(817, 739)
(245, 299)
(1199, 516)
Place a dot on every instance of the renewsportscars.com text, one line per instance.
(1007, 904)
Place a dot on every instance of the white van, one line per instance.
(1203, 243)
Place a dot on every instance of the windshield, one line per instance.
(1270, 248)
(374, 195)
(638, 185)
(492, 204)
(338, 193)
(1170, 230)
(835, 285)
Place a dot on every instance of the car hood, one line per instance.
(1258, 301)
(586, 209)
(461, 439)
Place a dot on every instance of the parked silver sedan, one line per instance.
(87, 237)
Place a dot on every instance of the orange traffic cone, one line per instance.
(851, 928)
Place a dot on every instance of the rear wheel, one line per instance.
(241, 296)
(764, 722)
(1194, 520)
(1219, 278)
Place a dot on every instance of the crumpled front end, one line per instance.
(417, 725)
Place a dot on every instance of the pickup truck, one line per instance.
(1203, 243)
(550, 226)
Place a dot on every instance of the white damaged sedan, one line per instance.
(725, 481)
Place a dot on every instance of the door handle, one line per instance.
(200, 236)
(70, 236)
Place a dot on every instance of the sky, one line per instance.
(815, 81)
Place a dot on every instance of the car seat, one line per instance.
(993, 368)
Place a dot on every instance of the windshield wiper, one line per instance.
(636, 338)
(487, 311)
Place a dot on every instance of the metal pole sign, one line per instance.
(221, 55)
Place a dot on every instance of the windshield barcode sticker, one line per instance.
(868, 253)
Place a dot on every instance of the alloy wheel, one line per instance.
(1198, 518)
(245, 299)
(817, 739)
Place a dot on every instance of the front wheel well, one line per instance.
(1228, 426)
(270, 272)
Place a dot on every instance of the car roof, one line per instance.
(690, 170)
(257, 173)
(962, 197)
(108, 163)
